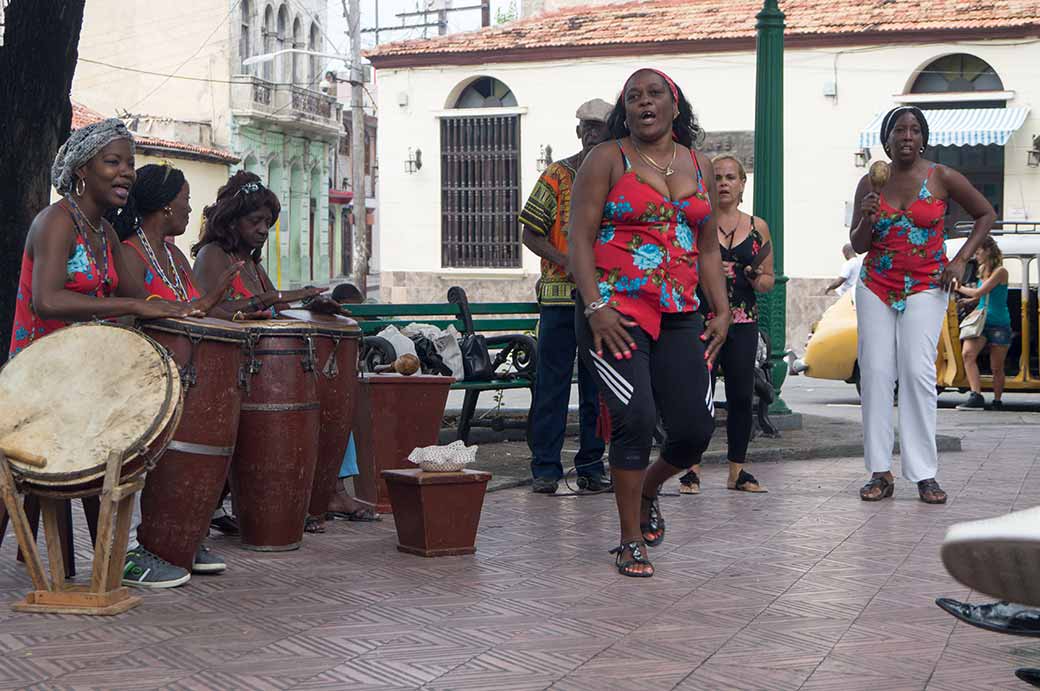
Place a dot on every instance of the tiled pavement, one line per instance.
(803, 588)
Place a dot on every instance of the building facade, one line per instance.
(484, 107)
(273, 116)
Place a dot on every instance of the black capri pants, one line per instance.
(669, 377)
(737, 360)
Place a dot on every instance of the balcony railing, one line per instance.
(287, 104)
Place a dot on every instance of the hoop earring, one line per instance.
(80, 188)
(626, 123)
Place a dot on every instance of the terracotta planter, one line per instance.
(394, 415)
(436, 514)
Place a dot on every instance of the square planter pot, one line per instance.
(436, 514)
(395, 414)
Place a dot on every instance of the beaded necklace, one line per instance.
(176, 285)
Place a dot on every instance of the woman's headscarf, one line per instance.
(82, 145)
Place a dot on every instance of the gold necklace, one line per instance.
(664, 170)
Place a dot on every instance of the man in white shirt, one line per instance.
(849, 273)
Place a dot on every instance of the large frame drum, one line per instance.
(107, 389)
(181, 492)
(277, 448)
(336, 340)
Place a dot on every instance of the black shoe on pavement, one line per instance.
(1029, 675)
(544, 485)
(1002, 617)
(996, 404)
(594, 482)
(225, 524)
(975, 402)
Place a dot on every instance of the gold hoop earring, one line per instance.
(80, 188)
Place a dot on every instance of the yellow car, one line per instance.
(831, 350)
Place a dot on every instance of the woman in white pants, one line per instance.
(901, 299)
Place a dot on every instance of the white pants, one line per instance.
(899, 345)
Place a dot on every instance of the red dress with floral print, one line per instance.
(646, 251)
(82, 275)
(908, 249)
(156, 286)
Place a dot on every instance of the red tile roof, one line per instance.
(651, 25)
(82, 116)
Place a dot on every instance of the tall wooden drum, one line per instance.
(80, 394)
(277, 447)
(336, 340)
(180, 493)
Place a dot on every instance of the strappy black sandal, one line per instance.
(690, 483)
(625, 568)
(882, 483)
(930, 492)
(654, 525)
(746, 482)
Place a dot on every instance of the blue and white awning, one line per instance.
(959, 127)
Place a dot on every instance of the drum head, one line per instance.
(206, 328)
(79, 394)
(335, 325)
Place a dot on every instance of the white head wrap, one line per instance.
(82, 145)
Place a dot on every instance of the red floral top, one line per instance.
(156, 286)
(82, 275)
(646, 252)
(908, 249)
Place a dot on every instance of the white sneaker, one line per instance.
(997, 556)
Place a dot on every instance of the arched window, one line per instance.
(299, 62)
(958, 73)
(486, 92)
(316, 46)
(268, 41)
(480, 179)
(282, 43)
(245, 35)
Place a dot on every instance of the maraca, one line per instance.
(406, 364)
(879, 174)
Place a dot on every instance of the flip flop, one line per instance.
(746, 482)
(313, 525)
(365, 515)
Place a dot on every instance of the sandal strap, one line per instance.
(877, 483)
(745, 478)
(690, 478)
(637, 551)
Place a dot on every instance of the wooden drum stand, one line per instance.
(105, 595)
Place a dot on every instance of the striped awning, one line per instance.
(959, 127)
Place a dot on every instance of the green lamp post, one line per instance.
(769, 176)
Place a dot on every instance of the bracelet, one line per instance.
(596, 306)
(238, 316)
(153, 297)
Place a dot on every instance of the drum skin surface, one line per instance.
(336, 342)
(184, 487)
(277, 447)
(81, 393)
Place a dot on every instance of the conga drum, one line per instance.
(336, 340)
(277, 447)
(80, 394)
(180, 493)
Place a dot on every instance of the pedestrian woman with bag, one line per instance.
(902, 297)
(988, 325)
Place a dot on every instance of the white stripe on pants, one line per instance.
(899, 344)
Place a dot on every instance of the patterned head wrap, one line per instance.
(81, 146)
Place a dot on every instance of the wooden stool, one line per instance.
(436, 514)
(105, 595)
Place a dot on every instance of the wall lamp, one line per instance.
(544, 157)
(1033, 155)
(414, 162)
(861, 158)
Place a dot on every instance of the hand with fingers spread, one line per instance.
(609, 327)
(214, 297)
(160, 309)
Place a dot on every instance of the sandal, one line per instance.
(746, 482)
(690, 483)
(655, 524)
(877, 488)
(314, 524)
(362, 515)
(930, 492)
(625, 567)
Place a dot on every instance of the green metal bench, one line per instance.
(509, 328)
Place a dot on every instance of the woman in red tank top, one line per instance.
(902, 297)
(73, 268)
(642, 239)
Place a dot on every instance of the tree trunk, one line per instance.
(37, 62)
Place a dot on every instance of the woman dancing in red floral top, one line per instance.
(642, 238)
